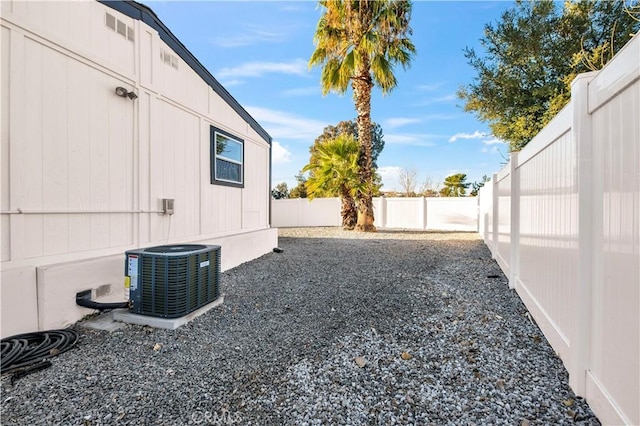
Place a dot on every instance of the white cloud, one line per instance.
(250, 35)
(302, 91)
(434, 117)
(493, 141)
(446, 98)
(474, 135)
(292, 7)
(488, 139)
(430, 87)
(257, 69)
(494, 149)
(436, 100)
(413, 139)
(389, 175)
(392, 123)
(284, 125)
(279, 154)
(229, 83)
(450, 172)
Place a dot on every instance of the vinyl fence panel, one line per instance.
(613, 377)
(562, 220)
(302, 212)
(419, 213)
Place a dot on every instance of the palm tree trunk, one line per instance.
(349, 211)
(362, 86)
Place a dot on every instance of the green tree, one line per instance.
(475, 186)
(280, 191)
(349, 127)
(455, 186)
(359, 43)
(531, 56)
(300, 191)
(335, 171)
(632, 8)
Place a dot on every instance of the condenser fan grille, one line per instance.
(176, 248)
(174, 284)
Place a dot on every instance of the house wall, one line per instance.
(84, 170)
(569, 234)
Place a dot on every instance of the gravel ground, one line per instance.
(341, 328)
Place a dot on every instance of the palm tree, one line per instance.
(359, 42)
(335, 171)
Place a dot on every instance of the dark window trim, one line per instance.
(212, 149)
(145, 14)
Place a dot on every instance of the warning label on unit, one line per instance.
(127, 284)
(132, 272)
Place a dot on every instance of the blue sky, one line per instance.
(259, 52)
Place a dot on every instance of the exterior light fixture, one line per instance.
(121, 91)
(124, 93)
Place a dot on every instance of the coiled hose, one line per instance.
(28, 352)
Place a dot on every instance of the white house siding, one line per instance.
(5, 246)
(70, 146)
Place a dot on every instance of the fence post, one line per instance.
(581, 134)
(424, 205)
(514, 238)
(383, 212)
(494, 225)
(478, 212)
(300, 216)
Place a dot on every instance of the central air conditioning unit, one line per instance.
(173, 280)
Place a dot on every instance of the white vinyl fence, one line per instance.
(420, 213)
(563, 222)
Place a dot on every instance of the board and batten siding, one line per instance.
(84, 170)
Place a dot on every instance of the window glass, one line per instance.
(227, 159)
(228, 148)
(226, 170)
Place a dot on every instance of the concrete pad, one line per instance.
(166, 323)
(102, 322)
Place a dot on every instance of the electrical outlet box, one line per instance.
(167, 205)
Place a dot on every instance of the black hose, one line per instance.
(23, 350)
(88, 303)
(25, 371)
(84, 299)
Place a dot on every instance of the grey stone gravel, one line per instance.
(439, 341)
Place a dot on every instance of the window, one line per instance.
(227, 159)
